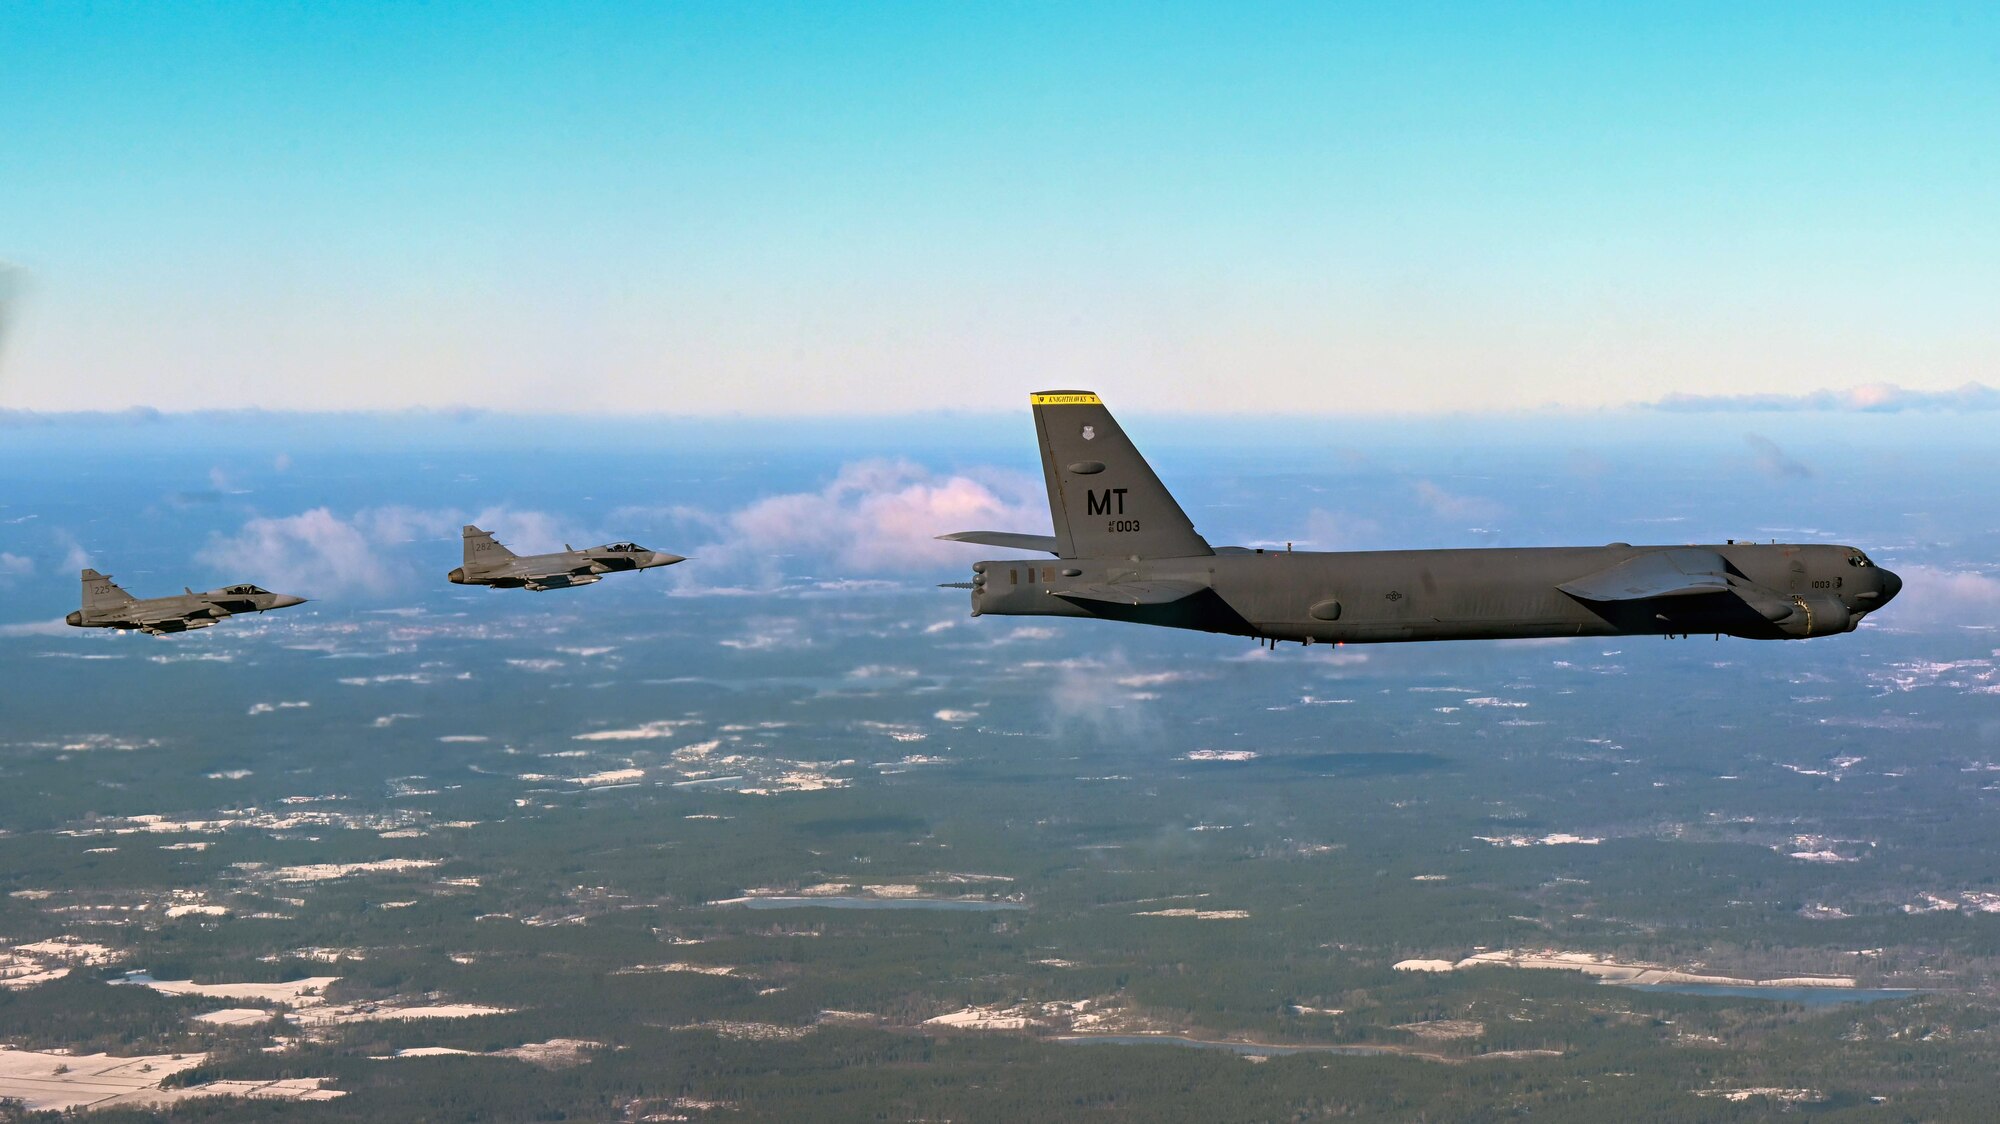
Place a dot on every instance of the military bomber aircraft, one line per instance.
(1125, 551)
(105, 605)
(490, 564)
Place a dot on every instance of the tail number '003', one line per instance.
(1118, 526)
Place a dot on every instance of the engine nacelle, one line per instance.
(1816, 616)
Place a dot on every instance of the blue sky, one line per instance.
(812, 209)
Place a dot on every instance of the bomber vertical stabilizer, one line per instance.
(1105, 499)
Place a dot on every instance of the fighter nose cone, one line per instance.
(1891, 586)
(660, 559)
(286, 601)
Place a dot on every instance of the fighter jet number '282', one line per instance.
(1125, 551)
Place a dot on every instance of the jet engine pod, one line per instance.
(1817, 616)
(1327, 610)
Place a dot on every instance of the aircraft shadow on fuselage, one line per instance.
(1205, 611)
(1721, 612)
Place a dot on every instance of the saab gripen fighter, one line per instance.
(1124, 551)
(490, 564)
(105, 605)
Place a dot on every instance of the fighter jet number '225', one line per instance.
(1127, 552)
(105, 605)
(490, 564)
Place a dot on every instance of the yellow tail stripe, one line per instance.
(1064, 400)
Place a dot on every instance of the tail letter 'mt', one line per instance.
(1103, 495)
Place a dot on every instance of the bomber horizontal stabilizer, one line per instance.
(1677, 572)
(1132, 593)
(1008, 539)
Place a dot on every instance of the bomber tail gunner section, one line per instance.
(488, 563)
(105, 605)
(1124, 550)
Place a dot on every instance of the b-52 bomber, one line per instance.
(1125, 551)
(490, 564)
(105, 605)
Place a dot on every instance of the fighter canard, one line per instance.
(107, 606)
(490, 564)
(1126, 552)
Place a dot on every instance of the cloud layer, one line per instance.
(1873, 398)
(1937, 598)
(875, 518)
(321, 553)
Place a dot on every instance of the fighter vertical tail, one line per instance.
(481, 549)
(100, 592)
(1106, 501)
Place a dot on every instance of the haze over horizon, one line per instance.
(802, 211)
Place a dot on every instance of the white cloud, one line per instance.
(1448, 505)
(320, 553)
(314, 551)
(1933, 597)
(15, 566)
(1773, 461)
(1341, 530)
(1873, 398)
(57, 627)
(876, 517)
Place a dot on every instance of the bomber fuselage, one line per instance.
(1788, 592)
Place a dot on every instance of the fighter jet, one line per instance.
(490, 564)
(107, 606)
(1125, 551)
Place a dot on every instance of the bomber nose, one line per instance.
(1891, 586)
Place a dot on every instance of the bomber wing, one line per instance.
(1675, 572)
(1132, 593)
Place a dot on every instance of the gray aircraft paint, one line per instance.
(490, 564)
(1126, 551)
(105, 605)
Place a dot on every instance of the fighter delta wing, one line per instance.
(1126, 551)
(105, 605)
(490, 564)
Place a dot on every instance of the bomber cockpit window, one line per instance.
(1859, 559)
